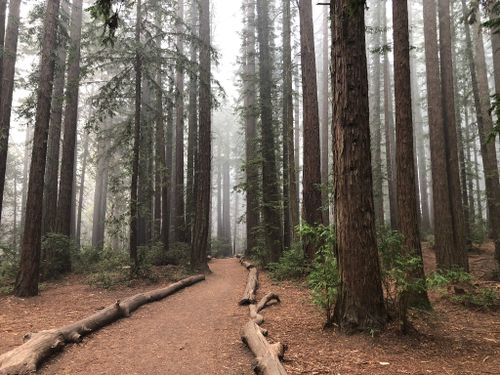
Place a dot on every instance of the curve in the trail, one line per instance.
(194, 332)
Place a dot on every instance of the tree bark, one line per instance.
(134, 259)
(3, 13)
(28, 275)
(389, 128)
(66, 192)
(360, 303)
(25, 359)
(458, 257)
(9, 55)
(270, 192)
(180, 222)
(325, 119)
(405, 163)
(251, 164)
(101, 190)
(202, 183)
(312, 156)
(82, 190)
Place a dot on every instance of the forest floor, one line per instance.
(196, 331)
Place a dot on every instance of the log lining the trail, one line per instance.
(26, 358)
(267, 356)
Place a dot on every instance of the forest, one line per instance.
(249, 186)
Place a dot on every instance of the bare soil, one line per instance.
(196, 331)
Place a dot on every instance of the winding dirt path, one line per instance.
(194, 332)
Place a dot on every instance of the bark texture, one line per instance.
(360, 303)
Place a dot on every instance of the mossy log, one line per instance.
(26, 358)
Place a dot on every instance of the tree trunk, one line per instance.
(9, 55)
(3, 8)
(378, 192)
(50, 192)
(82, 190)
(192, 125)
(447, 253)
(202, 183)
(325, 120)
(101, 190)
(270, 192)
(26, 164)
(180, 222)
(312, 151)
(226, 201)
(28, 275)
(485, 126)
(360, 303)
(136, 144)
(405, 163)
(389, 128)
(66, 192)
(251, 167)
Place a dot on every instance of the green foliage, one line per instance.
(445, 278)
(324, 281)
(57, 253)
(9, 265)
(221, 249)
(292, 265)
(179, 254)
(483, 298)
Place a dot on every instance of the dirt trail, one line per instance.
(194, 332)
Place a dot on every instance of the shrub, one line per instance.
(292, 265)
(483, 298)
(324, 281)
(57, 252)
(9, 265)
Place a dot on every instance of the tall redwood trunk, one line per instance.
(81, 190)
(270, 191)
(312, 151)
(458, 257)
(202, 183)
(28, 275)
(134, 258)
(66, 192)
(101, 189)
(360, 302)
(405, 163)
(325, 120)
(9, 54)
(251, 164)
(50, 190)
(180, 221)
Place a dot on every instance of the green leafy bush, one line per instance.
(483, 298)
(9, 265)
(324, 281)
(291, 266)
(57, 253)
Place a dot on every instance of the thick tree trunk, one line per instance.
(3, 13)
(226, 201)
(26, 358)
(458, 257)
(270, 192)
(447, 252)
(488, 152)
(50, 190)
(192, 125)
(325, 119)
(134, 259)
(202, 183)
(9, 55)
(101, 191)
(251, 164)
(312, 155)
(360, 303)
(66, 192)
(405, 163)
(180, 221)
(28, 275)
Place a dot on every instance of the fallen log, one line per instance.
(247, 264)
(26, 358)
(251, 287)
(267, 356)
(268, 300)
